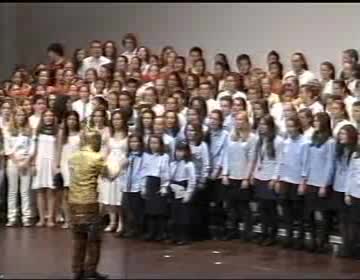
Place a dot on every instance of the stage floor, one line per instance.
(46, 254)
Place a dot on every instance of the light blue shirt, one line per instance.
(341, 168)
(266, 167)
(133, 178)
(352, 181)
(201, 159)
(169, 141)
(319, 165)
(239, 156)
(228, 123)
(180, 170)
(157, 165)
(292, 159)
(218, 143)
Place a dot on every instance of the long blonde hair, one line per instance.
(238, 134)
(14, 128)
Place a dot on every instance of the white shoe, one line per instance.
(60, 219)
(119, 228)
(109, 228)
(11, 224)
(27, 223)
(65, 226)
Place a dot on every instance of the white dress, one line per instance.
(45, 162)
(110, 191)
(69, 148)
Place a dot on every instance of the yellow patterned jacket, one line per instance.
(85, 167)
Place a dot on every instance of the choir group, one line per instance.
(200, 147)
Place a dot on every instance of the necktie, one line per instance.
(128, 187)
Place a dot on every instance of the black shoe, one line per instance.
(245, 238)
(269, 242)
(120, 234)
(182, 243)
(260, 240)
(299, 244)
(343, 253)
(230, 235)
(160, 237)
(78, 276)
(288, 243)
(322, 249)
(148, 237)
(95, 275)
(312, 248)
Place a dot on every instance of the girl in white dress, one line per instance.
(110, 190)
(69, 143)
(44, 165)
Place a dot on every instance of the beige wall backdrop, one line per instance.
(321, 31)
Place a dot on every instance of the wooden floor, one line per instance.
(45, 254)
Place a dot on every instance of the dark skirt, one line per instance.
(262, 190)
(289, 191)
(133, 202)
(155, 204)
(180, 211)
(215, 191)
(354, 210)
(234, 192)
(315, 203)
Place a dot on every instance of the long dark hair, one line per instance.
(139, 138)
(324, 132)
(203, 106)
(114, 55)
(305, 65)
(66, 130)
(161, 141)
(219, 113)
(199, 132)
(104, 114)
(44, 129)
(124, 117)
(139, 126)
(183, 146)
(75, 60)
(60, 107)
(351, 147)
(173, 132)
(331, 66)
(224, 62)
(263, 103)
(270, 147)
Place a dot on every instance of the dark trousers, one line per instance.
(217, 215)
(3, 196)
(237, 206)
(354, 227)
(199, 214)
(314, 203)
(293, 209)
(133, 206)
(181, 220)
(268, 217)
(156, 226)
(341, 211)
(86, 231)
(267, 208)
